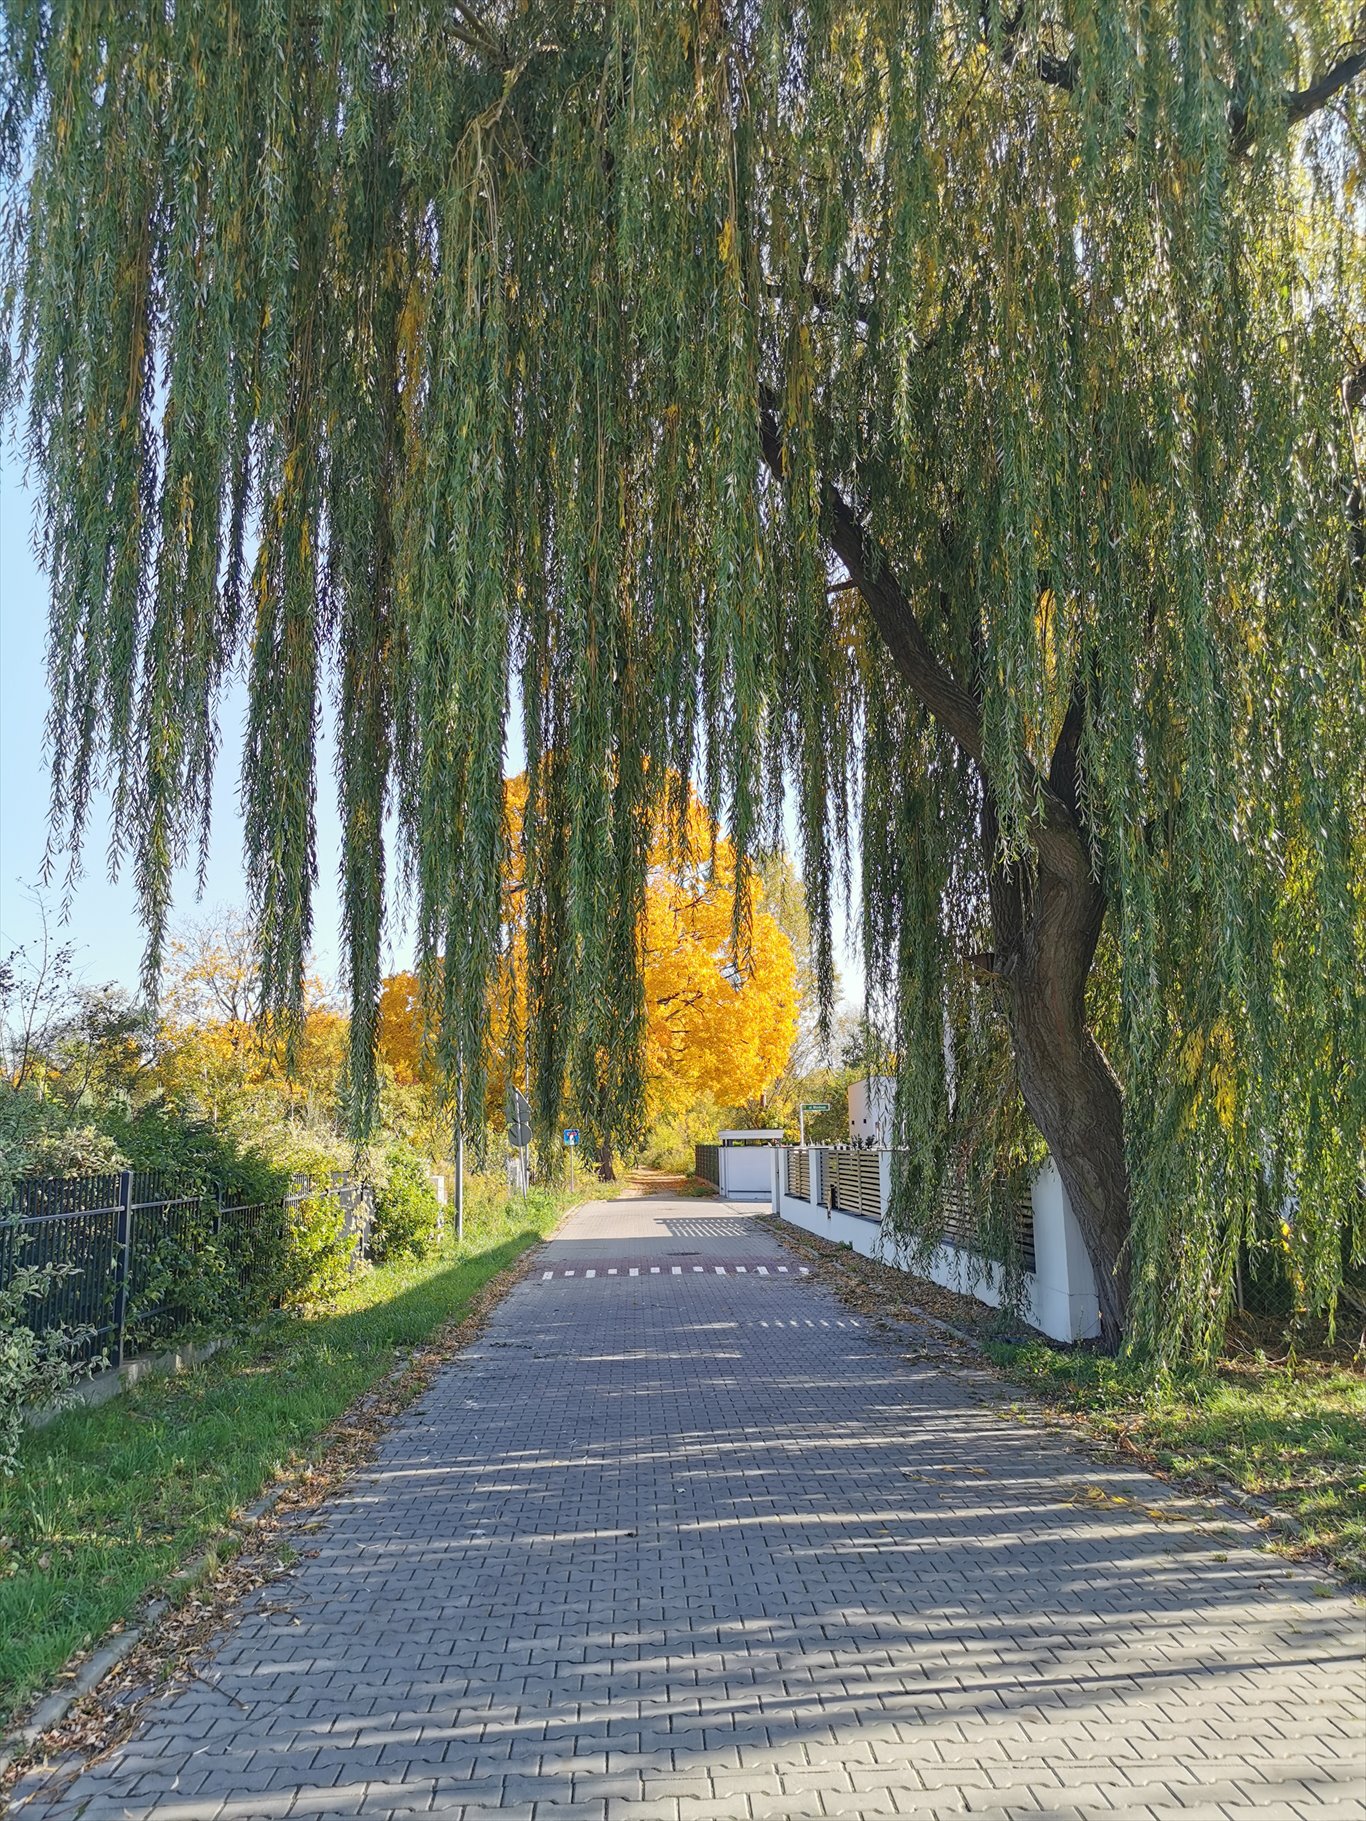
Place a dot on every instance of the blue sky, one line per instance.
(100, 916)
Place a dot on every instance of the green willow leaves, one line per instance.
(421, 354)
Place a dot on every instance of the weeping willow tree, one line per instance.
(943, 413)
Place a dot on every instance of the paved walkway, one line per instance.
(696, 1544)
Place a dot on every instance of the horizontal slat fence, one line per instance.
(110, 1231)
(853, 1184)
(798, 1168)
(960, 1223)
(856, 1182)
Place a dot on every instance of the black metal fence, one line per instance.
(112, 1233)
(708, 1163)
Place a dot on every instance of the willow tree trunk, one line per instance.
(607, 1169)
(1047, 919)
(1046, 913)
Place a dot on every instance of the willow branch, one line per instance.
(1300, 104)
(1056, 831)
(867, 568)
(1297, 104)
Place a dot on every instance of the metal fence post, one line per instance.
(124, 1241)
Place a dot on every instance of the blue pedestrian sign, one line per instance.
(571, 1136)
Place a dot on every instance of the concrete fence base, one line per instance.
(1058, 1295)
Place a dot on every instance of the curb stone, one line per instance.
(104, 1387)
(55, 1707)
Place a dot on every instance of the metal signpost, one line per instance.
(519, 1129)
(809, 1106)
(460, 1162)
(571, 1144)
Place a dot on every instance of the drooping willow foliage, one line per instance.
(444, 356)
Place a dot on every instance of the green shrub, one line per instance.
(41, 1137)
(35, 1368)
(294, 1254)
(297, 1256)
(193, 1151)
(189, 1279)
(319, 1253)
(406, 1208)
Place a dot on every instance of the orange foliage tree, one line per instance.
(720, 1024)
(715, 1026)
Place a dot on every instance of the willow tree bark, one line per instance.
(1047, 912)
(1046, 922)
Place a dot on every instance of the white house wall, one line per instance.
(870, 1109)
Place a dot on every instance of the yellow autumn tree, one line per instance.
(719, 1027)
(213, 1050)
(716, 1028)
(400, 1030)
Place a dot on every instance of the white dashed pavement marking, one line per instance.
(725, 1270)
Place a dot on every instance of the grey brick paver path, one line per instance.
(704, 1547)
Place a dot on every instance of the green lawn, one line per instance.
(1294, 1435)
(108, 1503)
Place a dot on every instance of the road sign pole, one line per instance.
(459, 1184)
(460, 1155)
(519, 1132)
(809, 1106)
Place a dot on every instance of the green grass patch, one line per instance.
(1293, 1434)
(108, 1503)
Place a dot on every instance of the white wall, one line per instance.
(1059, 1294)
(746, 1171)
(1069, 1308)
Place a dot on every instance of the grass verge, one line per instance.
(107, 1504)
(1292, 1435)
